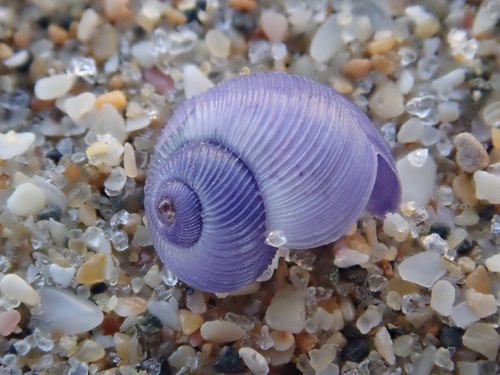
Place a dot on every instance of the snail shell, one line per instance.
(257, 153)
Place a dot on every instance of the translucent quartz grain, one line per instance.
(319, 359)
(369, 319)
(411, 131)
(79, 105)
(89, 351)
(179, 358)
(384, 345)
(130, 306)
(195, 82)
(483, 305)
(443, 297)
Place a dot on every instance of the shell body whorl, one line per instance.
(263, 152)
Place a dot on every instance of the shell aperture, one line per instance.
(259, 153)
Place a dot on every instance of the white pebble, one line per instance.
(167, 312)
(410, 131)
(345, 258)
(79, 105)
(462, 315)
(286, 312)
(424, 268)
(484, 20)
(143, 53)
(403, 345)
(51, 87)
(326, 41)
(67, 313)
(255, 361)
(384, 345)
(274, 25)
(319, 359)
(369, 319)
(106, 121)
(482, 338)
(417, 173)
(405, 81)
(18, 59)
(221, 331)
(491, 114)
(195, 82)
(448, 111)
(443, 297)
(218, 43)
(196, 302)
(87, 25)
(27, 199)
(387, 101)
(16, 287)
(493, 263)
(179, 358)
(447, 82)
(396, 226)
(13, 144)
(487, 186)
(61, 275)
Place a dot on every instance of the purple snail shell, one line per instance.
(258, 153)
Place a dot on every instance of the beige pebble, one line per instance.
(87, 214)
(122, 345)
(383, 64)
(89, 351)
(483, 305)
(130, 306)
(175, 16)
(479, 280)
(282, 340)
(495, 137)
(427, 28)
(190, 321)
(464, 190)
(387, 101)
(117, 10)
(382, 45)
(93, 270)
(471, 155)
(342, 85)
(219, 331)
(57, 34)
(14, 286)
(129, 162)
(5, 51)
(243, 5)
(357, 68)
(116, 98)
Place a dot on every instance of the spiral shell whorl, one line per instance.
(292, 153)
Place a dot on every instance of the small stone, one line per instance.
(13, 144)
(493, 264)
(282, 340)
(130, 306)
(89, 351)
(450, 336)
(443, 359)
(417, 173)
(52, 87)
(423, 269)
(17, 60)
(327, 40)
(115, 98)
(16, 287)
(471, 155)
(387, 101)
(229, 362)
(87, 25)
(384, 345)
(274, 25)
(180, 357)
(462, 315)
(426, 25)
(93, 270)
(27, 199)
(443, 297)
(167, 312)
(483, 305)
(218, 43)
(61, 275)
(243, 5)
(319, 359)
(195, 82)
(220, 331)
(448, 111)
(383, 42)
(255, 361)
(357, 68)
(396, 226)
(286, 312)
(355, 351)
(491, 114)
(482, 338)
(79, 105)
(411, 131)
(369, 319)
(403, 345)
(65, 312)
(8, 321)
(345, 258)
(479, 278)
(190, 321)
(440, 229)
